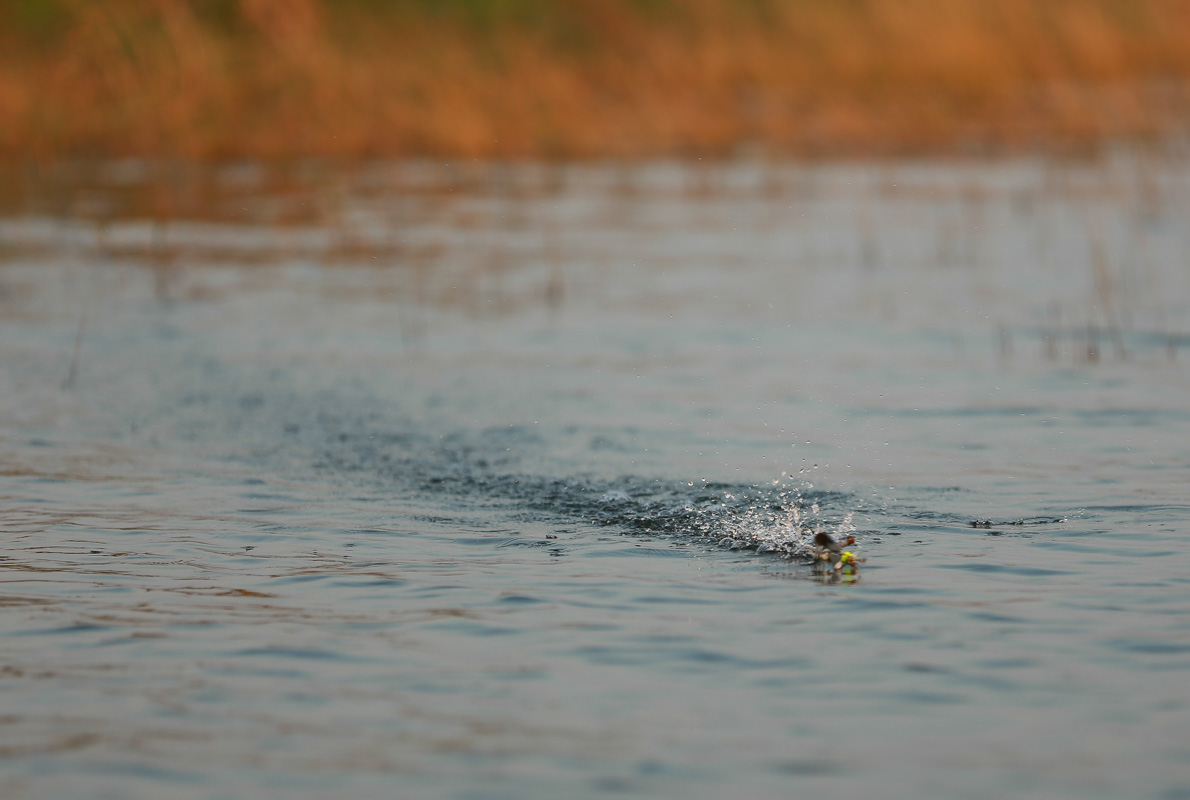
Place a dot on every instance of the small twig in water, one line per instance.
(78, 347)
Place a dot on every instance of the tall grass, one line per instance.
(582, 78)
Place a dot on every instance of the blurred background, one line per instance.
(213, 79)
(436, 397)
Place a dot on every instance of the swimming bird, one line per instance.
(828, 550)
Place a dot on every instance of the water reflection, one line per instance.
(826, 574)
(985, 252)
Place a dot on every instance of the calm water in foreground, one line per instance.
(427, 481)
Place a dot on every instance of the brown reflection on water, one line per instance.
(492, 238)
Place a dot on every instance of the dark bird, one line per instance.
(827, 549)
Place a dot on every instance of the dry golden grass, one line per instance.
(585, 78)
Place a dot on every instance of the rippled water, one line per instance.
(490, 481)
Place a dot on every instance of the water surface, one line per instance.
(487, 481)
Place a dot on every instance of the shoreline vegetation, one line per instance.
(578, 79)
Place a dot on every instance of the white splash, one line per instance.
(786, 527)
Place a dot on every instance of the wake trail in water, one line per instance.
(780, 518)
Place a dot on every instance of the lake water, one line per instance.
(490, 481)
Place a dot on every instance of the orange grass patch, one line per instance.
(587, 78)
